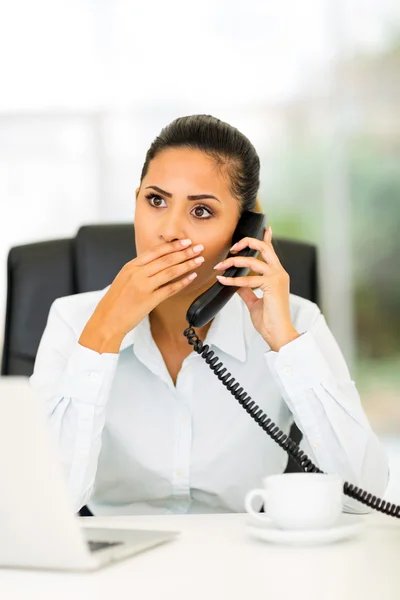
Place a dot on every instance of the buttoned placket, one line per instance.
(183, 392)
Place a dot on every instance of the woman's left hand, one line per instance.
(271, 313)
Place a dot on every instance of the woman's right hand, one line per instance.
(140, 286)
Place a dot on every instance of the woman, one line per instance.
(143, 424)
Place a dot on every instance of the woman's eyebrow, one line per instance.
(169, 195)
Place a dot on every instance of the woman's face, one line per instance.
(168, 213)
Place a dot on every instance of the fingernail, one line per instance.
(218, 265)
(234, 246)
(186, 242)
(198, 248)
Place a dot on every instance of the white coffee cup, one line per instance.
(299, 500)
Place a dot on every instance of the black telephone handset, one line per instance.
(203, 309)
(210, 302)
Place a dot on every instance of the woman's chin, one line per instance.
(198, 283)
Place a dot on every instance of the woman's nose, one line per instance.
(173, 227)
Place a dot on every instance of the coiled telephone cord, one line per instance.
(273, 430)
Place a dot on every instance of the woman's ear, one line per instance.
(136, 192)
(257, 207)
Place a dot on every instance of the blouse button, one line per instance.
(287, 370)
(93, 376)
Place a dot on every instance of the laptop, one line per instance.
(37, 522)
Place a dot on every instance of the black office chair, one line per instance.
(39, 273)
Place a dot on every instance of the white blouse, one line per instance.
(132, 443)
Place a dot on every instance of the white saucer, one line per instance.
(346, 526)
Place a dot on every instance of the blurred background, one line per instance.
(87, 85)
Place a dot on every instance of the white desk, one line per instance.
(214, 558)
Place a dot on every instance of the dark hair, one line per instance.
(224, 143)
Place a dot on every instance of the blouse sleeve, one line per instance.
(315, 382)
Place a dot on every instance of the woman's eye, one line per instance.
(201, 209)
(150, 197)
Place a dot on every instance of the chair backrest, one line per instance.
(39, 273)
